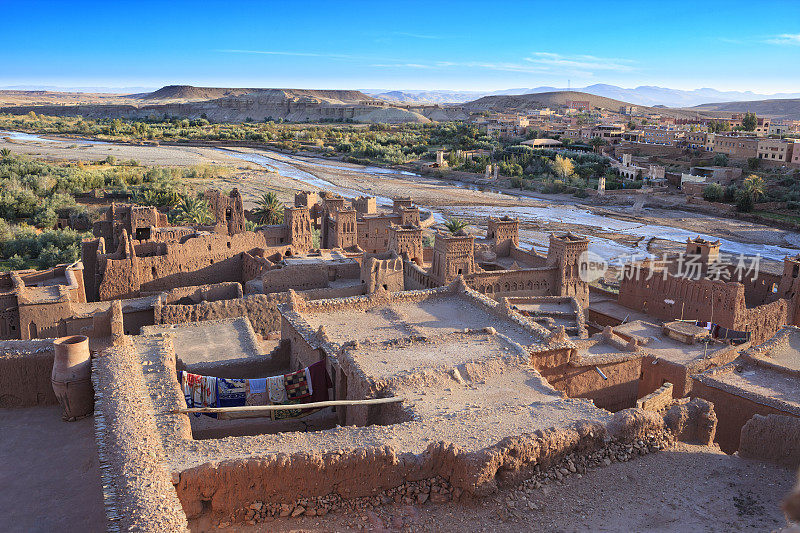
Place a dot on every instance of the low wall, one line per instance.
(658, 400)
(773, 438)
(25, 368)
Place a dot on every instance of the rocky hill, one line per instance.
(788, 108)
(239, 105)
(526, 102)
(189, 92)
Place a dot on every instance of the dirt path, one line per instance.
(689, 488)
(50, 476)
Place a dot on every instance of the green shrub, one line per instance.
(744, 202)
(713, 192)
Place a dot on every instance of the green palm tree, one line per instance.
(193, 211)
(754, 186)
(454, 225)
(146, 197)
(269, 210)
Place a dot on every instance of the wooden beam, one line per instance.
(257, 411)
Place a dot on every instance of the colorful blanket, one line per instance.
(307, 385)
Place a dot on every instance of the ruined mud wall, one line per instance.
(529, 282)
(733, 412)
(693, 300)
(579, 379)
(530, 258)
(25, 368)
(200, 260)
(253, 266)
(773, 438)
(297, 277)
(415, 278)
(261, 309)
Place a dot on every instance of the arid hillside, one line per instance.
(523, 102)
(235, 105)
(777, 108)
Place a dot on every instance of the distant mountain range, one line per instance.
(101, 90)
(645, 95)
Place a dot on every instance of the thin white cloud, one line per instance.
(284, 53)
(784, 39)
(415, 35)
(584, 62)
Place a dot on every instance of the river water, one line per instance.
(568, 214)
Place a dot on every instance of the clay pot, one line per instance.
(72, 376)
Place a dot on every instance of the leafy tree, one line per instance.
(269, 209)
(749, 121)
(720, 160)
(563, 167)
(193, 211)
(454, 225)
(597, 142)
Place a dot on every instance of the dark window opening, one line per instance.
(142, 234)
(228, 214)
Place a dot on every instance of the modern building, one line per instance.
(776, 150)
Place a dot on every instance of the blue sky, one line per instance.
(731, 45)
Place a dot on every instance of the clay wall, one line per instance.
(207, 293)
(298, 277)
(227, 210)
(773, 438)
(197, 261)
(526, 257)
(25, 368)
(655, 374)
(658, 400)
(528, 282)
(581, 380)
(373, 232)
(254, 264)
(733, 412)
(693, 300)
(453, 255)
(415, 278)
(382, 271)
(260, 309)
(407, 240)
(504, 232)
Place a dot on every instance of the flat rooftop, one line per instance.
(763, 385)
(210, 341)
(437, 315)
(782, 350)
(663, 347)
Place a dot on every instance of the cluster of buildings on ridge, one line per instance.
(489, 328)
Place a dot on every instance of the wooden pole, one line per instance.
(256, 411)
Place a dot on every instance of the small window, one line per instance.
(142, 234)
